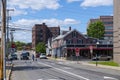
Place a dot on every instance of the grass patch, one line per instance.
(108, 63)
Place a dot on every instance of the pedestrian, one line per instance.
(33, 57)
(55, 56)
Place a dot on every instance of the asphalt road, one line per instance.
(45, 69)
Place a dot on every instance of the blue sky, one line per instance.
(65, 13)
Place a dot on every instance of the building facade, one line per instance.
(117, 31)
(65, 46)
(108, 23)
(41, 33)
(55, 31)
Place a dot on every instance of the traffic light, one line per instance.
(13, 45)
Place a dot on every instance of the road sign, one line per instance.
(13, 45)
(91, 49)
(77, 51)
(77, 54)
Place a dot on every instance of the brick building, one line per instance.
(116, 31)
(41, 33)
(108, 23)
(55, 31)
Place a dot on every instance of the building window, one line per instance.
(108, 32)
(108, 22)
(74, 34)
(41, 38)
(69, 41)
(108, 27)
(80, 41)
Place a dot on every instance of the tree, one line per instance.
(96, 30)
(40, 48)
(20, 45)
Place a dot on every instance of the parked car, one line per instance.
(24, 56)
(49, 55)
(37, 55)
(102, 57)
(43, 56)
(13, 57)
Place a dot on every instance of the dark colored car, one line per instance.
(37, 55)
(24, 56)
(13, 57)
(104, 58)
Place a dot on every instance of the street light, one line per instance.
(96, 53)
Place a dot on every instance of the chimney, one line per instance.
(43, 23)
(70, 28)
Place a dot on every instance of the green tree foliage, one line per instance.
(40, 48)
(96, 30)
(20, 45)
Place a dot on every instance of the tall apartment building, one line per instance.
(116, 29)
(55, 31)
(108, 23)
(41, 33)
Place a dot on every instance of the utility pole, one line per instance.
(3, 39)
(7, 30)
(12, 30)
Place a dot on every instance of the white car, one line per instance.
(43, 56)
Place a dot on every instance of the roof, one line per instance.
(62, 36)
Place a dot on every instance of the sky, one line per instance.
(63, 13)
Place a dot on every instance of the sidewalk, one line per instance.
(8, 71)
(87, 63)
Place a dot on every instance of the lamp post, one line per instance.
(96, 54)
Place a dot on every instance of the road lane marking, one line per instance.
(110, 78)
(65, 71)
(47, 79)
(52, 79)
(66, 68)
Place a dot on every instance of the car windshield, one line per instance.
(43, 55)
(13, 54)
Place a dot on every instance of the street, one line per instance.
(45, 69)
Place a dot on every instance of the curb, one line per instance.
(84, 63)
(8, 77)
(101, 66)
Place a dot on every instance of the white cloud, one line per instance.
(19, 12)
(64, 22)
(49, 22)
(25, 35)
(72, 1)
(70, 21)
(34, 4)
(95, 3)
